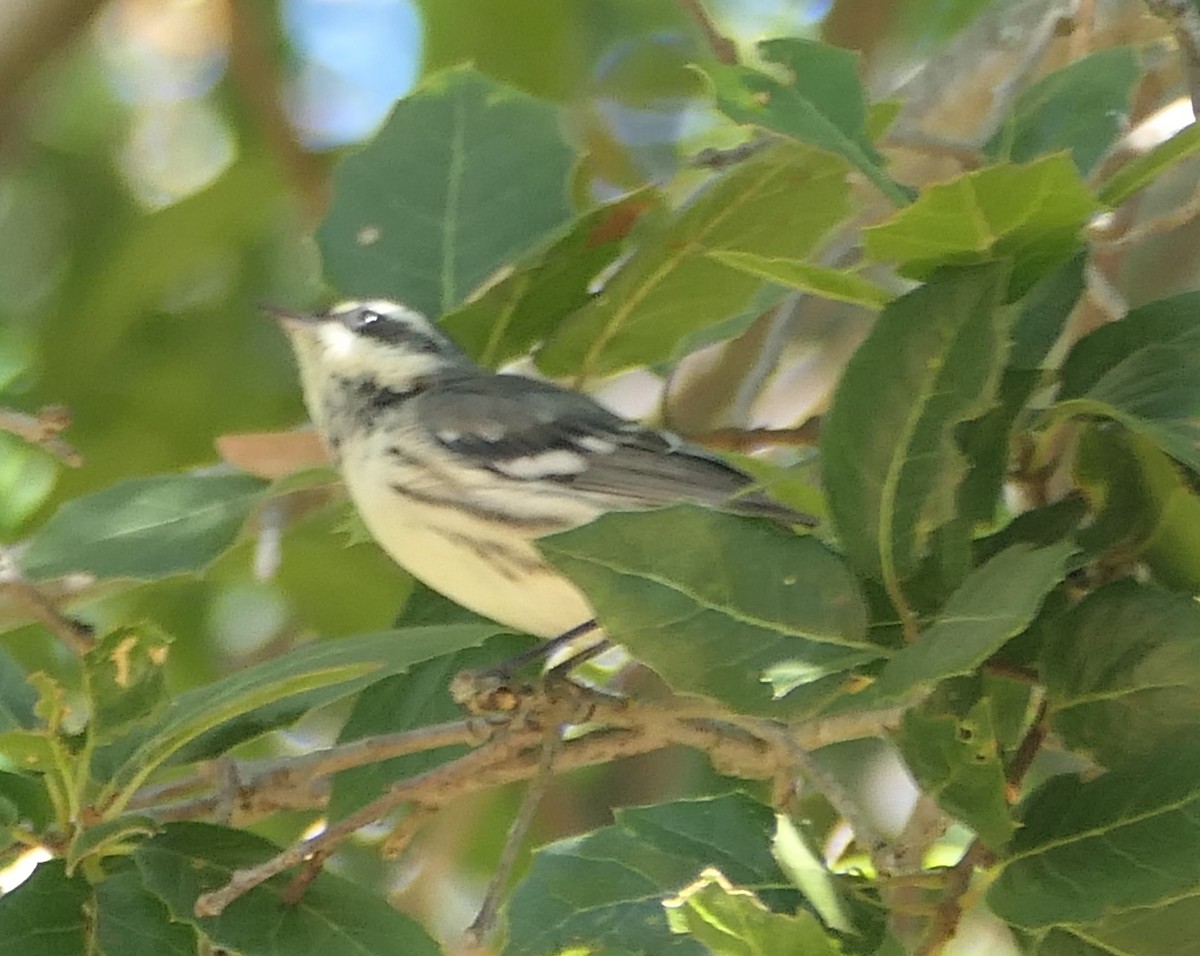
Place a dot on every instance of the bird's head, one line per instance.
(376, 341)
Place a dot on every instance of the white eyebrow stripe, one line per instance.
(544, 464)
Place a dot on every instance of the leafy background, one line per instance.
(917, 257)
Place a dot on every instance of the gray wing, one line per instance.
(524, 429)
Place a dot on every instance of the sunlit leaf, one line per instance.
(833, 284)
(670, 288)
(464, 177)
(605, 890)
(1031, 214)
(671, 586)
(731, 921)
(821, 103)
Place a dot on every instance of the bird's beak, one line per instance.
(290, 319)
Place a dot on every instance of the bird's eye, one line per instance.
(366, 317)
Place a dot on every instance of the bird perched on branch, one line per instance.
(456, 470)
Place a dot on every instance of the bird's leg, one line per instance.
(492, 690)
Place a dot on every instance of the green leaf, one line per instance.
(809, 874)
(731, 921)
(124, 680)
(466, 176)
(17, 696)
(1082, 108)
(995, 603)
(26, 796)
(1031, 214)
(333, 916)
(1144, 508)
(528, 303)
(1145, 169)
(956, 760)
(131, 921)
(670, 288)
(891, 466)
(1144, 372)
(44, 916)
(987, 441)
(1122, 672)
(109, 837)
(277, 692)
(1149, 931)
(605, 890)
(833, 284)
(822, 102)
(1126, 839)
(145, 528)
(418, 698)
(671, 586)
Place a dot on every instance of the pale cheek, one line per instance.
(340, 342)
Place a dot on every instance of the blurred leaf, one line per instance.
(1144, 509)
(1082, 107)
(268, 695)
(836, 284)
(956, 760)
(1122, 672)
(132, 921)
(730, 921)
(995, 603)
(809, 874)
(44, 916)
(465, 177)
(1031, 214)
(604, 891)
(123, 676)
(1146, 168)
(1125, 839)
(523, 307)
(891, 466)
(987, 440)
(419, 698)
(1143, 371)
(17, 696)
(109, 837)
(1150, 931)
(278, 455)
(669, 287)
(144, 528)
(335, 915)
(822, 104)
(671, 587)
(27, 799)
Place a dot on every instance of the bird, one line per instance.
(456, 470)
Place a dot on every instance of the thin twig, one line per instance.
(968, 155)
(723, 48)
(718, 159)
(750, 439)
(1175, 218)
(948, 912)
(517, 754)
(43, 430)
(74, 634)
(1184, 20)
(483, 924)
(251, 65)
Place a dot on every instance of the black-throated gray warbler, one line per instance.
(456, 470)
